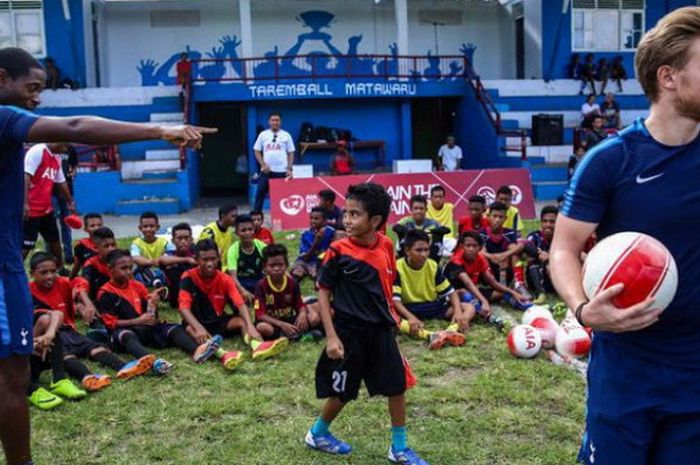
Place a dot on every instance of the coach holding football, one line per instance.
(274, 151)
(644, 372)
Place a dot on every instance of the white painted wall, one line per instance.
(533, 39)
(129, 38)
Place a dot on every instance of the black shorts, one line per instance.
(276, 332)
(218, 326)
(150, 336)
(44, 225)
(371, 354)
(76, 344)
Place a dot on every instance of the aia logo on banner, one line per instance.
(489, 193)
(292, 205)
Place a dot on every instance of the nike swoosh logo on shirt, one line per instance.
(641, 180)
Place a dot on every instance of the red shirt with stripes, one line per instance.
(207, 298)
(59, 297)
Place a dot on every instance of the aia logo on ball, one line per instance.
(292, 205)
(489, 194)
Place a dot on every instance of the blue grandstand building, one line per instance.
(397, 75)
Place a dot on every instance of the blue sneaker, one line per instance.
(405, 457)
(162, 367)
(206, 350)
(516, 304)
(328, 443)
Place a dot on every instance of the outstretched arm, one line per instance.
(94, 130)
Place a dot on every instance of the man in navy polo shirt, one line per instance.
(644, 374)
(22, 79)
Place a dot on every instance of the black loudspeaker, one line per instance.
(547, 130)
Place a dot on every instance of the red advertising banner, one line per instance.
(292, 200)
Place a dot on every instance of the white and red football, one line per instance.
(643, 264)
(524, 341)
(536, 311)
(548, 329)
(572, 340)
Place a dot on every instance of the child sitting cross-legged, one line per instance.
(130, 314)
(314, 243)
(147, 250)
(53, 292)
(422, 292)
(86, 248)
(279, 308)
(205, 291)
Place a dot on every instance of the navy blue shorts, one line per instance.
(639, 413)
(16, 315)
(429, 310)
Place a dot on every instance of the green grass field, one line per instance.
(473, 405)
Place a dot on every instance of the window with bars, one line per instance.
(22, 25)
(607, 25)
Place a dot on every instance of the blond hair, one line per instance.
(666, 44)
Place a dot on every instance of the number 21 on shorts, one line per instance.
(339, 380)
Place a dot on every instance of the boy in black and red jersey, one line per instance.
(279, 308)
(129, 312)
(95, 273)
(356, 302)
(174, 263)
(53, 292)
(86, 248)
(205, 291)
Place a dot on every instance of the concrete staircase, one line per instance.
(517, 101)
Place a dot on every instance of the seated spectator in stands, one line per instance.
(334, 215)
(574, 67)
(595, 134)
(575, 159)
(587, 74)
(602, 74)
(261, 232)
(475, 221)
(589, 109)
(53, 76)
(449, 155)
(610, 110)
(342, 162)
(618, 72)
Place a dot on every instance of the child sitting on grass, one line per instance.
(205, 291)
(261, 232)
(279, 308)
(355, 297)
(244, 258)
(48, 355)
(468, 270)
(422, 292)
(475, 221)
(178, 260)
(130, 314)
(147, 250)
(221, 230)
(537, 247)
(95, 272)
(54, 292)
(86, 247)
(314, 243)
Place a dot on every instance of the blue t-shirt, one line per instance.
(308, 237)
(14, 126)
(631, 182)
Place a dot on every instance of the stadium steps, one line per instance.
(163, 154)
(161, 206)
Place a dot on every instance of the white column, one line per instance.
(246, 28)
(401, 12)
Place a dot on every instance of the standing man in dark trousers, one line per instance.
(22, 78)
(274, 151)
(643, 404)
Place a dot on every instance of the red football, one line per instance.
(643, 264)
(73, 221)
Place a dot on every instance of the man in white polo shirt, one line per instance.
(274, 150)
(450, 155)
